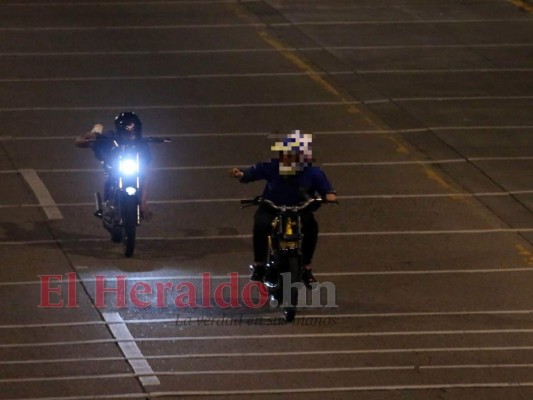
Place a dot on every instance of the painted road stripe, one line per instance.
(185, 106)
(321, 274)
(279, 354)
(267, 336)
(262, 50)
(326, 164)
(248, 236)
(354, 197)
(523, 4)
(348, 197)
(258, 75)
(384, 368)
(316, 133)
(429, 314)
(266, 105)
(129, 348)
(173, 77)
(116, 3)
(261, 24)
(42, 194)
(270, 392)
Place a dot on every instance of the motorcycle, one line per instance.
(120, 213)
(284, 265)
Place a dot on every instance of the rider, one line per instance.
(291, 179)
(128, 130)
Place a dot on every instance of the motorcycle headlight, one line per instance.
(128, 166)
(131, 190)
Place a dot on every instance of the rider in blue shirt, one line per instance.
(290, 180)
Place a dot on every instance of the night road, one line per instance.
(422, 118)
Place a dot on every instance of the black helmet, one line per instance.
(124, 120)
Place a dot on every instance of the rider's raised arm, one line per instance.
(256, 172)
(85, 140)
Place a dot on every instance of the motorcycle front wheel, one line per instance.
(294, 267)
(129, 222)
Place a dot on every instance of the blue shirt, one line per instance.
(288, 190)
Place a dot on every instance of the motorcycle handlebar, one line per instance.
(153, 139)
(259, 200)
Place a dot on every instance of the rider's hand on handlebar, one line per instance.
(236, 173)
(331, 198)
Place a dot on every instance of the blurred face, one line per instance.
(129, 132)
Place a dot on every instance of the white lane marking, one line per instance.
(261, 50)
(273, 371)
(172, 77)
(400, 22)
(256, 25)
(331, 274)
(279, 354)
(451, 98)
(129, 348)
(316, 133)
(348, 197)
(116, 3)
(335, 389)
(258, 75)
(429, 314)
(327, 164)
(406, 387)
(440, 71)
(265, 105)
(42, 194)
(188, 106)
(272, 336)
(248, 236)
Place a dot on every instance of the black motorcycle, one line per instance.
(121, 212)
(284, 264)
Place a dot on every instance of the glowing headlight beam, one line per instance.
(128, 167)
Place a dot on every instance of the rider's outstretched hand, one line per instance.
(236, 173)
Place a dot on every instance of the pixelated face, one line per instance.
(294, 152)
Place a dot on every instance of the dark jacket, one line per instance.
(288, 190)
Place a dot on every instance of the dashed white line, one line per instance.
(129, 348)
(42, 194)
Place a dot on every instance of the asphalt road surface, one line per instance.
(422, 118)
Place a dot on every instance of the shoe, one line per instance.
(271, 277)
(98, 213)
(257, 272)
(308, 278)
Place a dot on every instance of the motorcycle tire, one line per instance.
(116, 235)
(129, 221)
(294, 267)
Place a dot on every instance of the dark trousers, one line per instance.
(263, 226)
